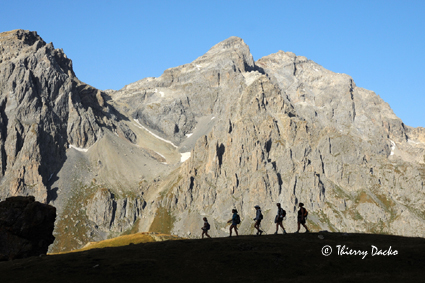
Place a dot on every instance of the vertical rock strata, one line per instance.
(44, 109)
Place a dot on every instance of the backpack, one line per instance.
(208, 226)
(261, 216)
(282, 213)
(305, 213)
(238, 219)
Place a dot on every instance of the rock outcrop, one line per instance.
(26, 227)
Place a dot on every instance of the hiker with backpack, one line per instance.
(281, 213)
(235, 221)
(205, 228)
(257, 219)
(302, 216)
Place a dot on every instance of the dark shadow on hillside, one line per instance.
(274, 258)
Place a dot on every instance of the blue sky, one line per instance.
(381, 44)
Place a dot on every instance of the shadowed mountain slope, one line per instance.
(281, 258)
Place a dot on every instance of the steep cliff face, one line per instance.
(44, 109)
(218, 133)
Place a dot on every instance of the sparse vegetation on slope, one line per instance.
(71, 230)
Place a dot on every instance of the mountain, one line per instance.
(222, 132)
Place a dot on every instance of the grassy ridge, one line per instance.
(125, 240)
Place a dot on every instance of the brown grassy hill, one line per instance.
(132, 239)
(268, 258)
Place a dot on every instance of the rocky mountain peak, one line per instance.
(23, 46)
(182, 95)
(232, 43)
(17, 42)
(19, 35)
(233, 48)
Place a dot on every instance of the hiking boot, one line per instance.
(296, 232)
(275, 233)
(261, 232)
(258, 233)
(307, 231)
(284, 232)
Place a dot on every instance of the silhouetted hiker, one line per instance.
(281, 213)
(258, 218)
(205, 228)
(235, 221)
(302, 215)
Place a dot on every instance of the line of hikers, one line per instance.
(281, 213)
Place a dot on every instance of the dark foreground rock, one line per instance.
(26, 227)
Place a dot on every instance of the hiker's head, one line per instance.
(234, 211)
(301, 204)
(278, 204)
(256, 207)
(205, 219)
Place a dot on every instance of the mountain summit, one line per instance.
(221, 132)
